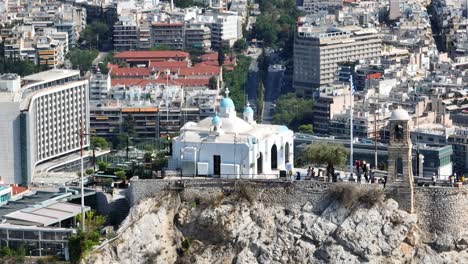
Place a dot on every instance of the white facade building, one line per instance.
(40, 121)
(226, 29)
(227, 146)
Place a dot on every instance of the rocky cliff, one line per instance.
(232, 226)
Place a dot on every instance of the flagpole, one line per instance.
(351, 84)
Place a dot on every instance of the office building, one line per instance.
(318, 52)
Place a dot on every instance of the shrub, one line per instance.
(350, 194)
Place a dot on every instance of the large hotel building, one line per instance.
(319, 51)
(40, 119)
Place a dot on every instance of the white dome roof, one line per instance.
(233, 124)
(400, 114)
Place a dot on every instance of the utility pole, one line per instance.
(83, 217)
(375, 138)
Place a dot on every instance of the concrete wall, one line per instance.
(10, 150)
(441, 209)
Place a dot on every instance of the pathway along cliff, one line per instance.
(238, 226)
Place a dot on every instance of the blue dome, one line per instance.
(215, 120)
(227, 103)
(248, 110)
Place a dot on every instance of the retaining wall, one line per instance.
(441, 209)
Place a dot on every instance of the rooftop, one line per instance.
(51, 75)
(151, 54)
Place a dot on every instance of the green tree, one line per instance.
(94, 34)
(89, 171)
(148, 156)
(221, 56)
(99, 142)
(184, 3)
(6, 252)
(293, 111)
(160, 161)
(102, 165)
(20, 67)
(240, 45)
(82, 59)
(213, 83)
(331, 155)
(129, 125)
(119, 141)
(260, 100)
(308, 129)
(236, 81)
(83, 241)
(121, 174)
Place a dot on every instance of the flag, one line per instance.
(351, 83)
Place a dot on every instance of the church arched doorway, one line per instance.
(286, 153)
(260, 164)
(274, 157)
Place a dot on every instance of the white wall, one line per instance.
(10, 155)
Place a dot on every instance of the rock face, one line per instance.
(231, 227)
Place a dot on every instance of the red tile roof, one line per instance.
(122, 72)
(159, 54)
(143, 82)
(168, 64)
(200, 69)
(130, 82)
(17, 190)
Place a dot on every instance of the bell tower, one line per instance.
(400, 153)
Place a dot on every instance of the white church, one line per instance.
(227, 146)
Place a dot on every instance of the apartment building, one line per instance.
(314, 7)
(99, 85)
(332, 100)
(126, 34)
(225, 29)
(168, 34)
(197, 36)
(319, 51)
(47, 49)
(42, 115)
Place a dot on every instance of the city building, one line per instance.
(332, 100)
(318, 52)
(197, 36)
(42, 116)
(126, 33)
(99, 85)
(225, 29)
(230, 147)
(168, 34)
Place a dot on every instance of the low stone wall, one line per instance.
(441, 209)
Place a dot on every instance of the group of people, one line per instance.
(454, 178)
(362, 168)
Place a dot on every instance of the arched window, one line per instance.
(274, 157)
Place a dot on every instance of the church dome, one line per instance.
(227, 103)
(248, 110)
(216, 120)
(400, 114)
